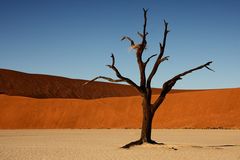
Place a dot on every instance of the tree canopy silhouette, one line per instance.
(144, 88)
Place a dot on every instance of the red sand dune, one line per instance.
(200, 109)
(113, 108)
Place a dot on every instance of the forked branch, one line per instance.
(160, 56)
(167, 86)
(140, 47)
(149, 59)
(141, 35)
(132, 43)
(118, 74)
(140, 50)
(105, 78)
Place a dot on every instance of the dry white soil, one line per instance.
(84, 144)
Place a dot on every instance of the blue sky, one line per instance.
(75, 38)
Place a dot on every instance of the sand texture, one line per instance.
(105, 144)
(201, 109)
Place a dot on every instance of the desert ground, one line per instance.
(180, 144)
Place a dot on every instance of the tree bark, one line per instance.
(146, 123)
(146, 128)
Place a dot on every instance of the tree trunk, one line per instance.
(146, 123)
(146, 127)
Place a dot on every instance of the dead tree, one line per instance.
(144, 88)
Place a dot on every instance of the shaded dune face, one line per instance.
(45, 86)
(200, 109)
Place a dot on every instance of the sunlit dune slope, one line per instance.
(200, 109)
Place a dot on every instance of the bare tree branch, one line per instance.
(141, 35)
(118, 74)
(144, 34)
(210, 69)
(158, 61)
(105, 78)
(163, 59)
(149, 59)
(167, 86)
(113, 60)
(129, 39)
(139, 53)
(132, 43)
(139, 50)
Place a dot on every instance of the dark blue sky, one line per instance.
(75, 38)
